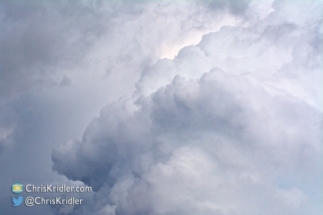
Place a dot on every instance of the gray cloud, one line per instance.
(231, 125)
(52, 45)
(61, 62)
(196, 136)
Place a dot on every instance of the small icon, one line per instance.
(17, 201)
(17, 188)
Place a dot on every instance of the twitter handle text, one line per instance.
(31, 201)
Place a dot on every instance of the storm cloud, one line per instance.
(163, 107)
(62, 61)
(231, 125)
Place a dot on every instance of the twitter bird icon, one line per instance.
(17, 201)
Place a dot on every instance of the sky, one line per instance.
(205, 107)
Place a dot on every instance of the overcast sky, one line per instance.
(206, 107)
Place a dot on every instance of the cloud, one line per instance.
(231, 118)
(231, 125)
(61, 62)
(94, 48)
(207, 136)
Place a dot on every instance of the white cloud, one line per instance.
(216, 129)
(230, 125)
(61, 62)
(198, 147)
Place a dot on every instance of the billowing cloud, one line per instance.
(231, 125)
(62, 61)
(93, 48)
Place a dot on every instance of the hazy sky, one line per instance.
(210, 107)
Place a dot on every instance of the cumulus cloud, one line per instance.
(231, 125)
(94, 48)
(62, 61)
